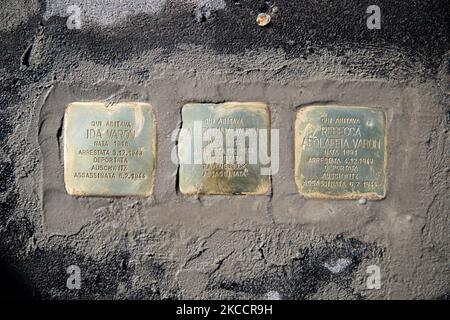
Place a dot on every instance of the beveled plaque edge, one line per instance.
(263, 189)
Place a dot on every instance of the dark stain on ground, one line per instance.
(8, 194)
(306, 274)
(8, 94)
(14, 235)
(416, 27)
(42, 274)
(16, 43)
(6, 176)
(45, 272)
(14, 232)
(7, 205)
(14, 286)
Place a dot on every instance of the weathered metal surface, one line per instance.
(109, 150)
(211, 162)
(340, 152)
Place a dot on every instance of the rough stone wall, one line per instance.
(168, 53)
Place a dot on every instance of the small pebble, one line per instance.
(362, 201)
(263, 19)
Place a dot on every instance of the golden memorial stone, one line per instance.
(219, 148)
(109, 150)
(340, 152)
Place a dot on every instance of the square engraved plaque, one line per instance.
(340, 152)
(219, 148)
(109, 150)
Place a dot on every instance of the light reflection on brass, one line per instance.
(222, 178)
(109, 150)
(340, 152)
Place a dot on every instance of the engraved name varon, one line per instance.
(109, 150)
(340, 152)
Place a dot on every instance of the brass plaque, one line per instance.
(340, 152)
(218, 148)
(109, 150)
